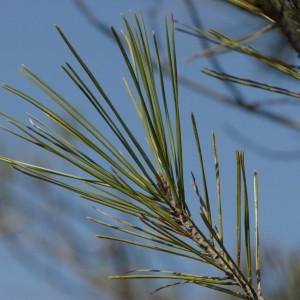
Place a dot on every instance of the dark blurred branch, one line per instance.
(92, 19)
(261, 149)
(196, 21)
(195, 86)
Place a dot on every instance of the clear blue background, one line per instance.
(29, 37)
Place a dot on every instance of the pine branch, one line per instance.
(146, 184)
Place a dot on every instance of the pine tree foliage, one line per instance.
(148, 184)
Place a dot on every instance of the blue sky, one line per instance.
(29, 37)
